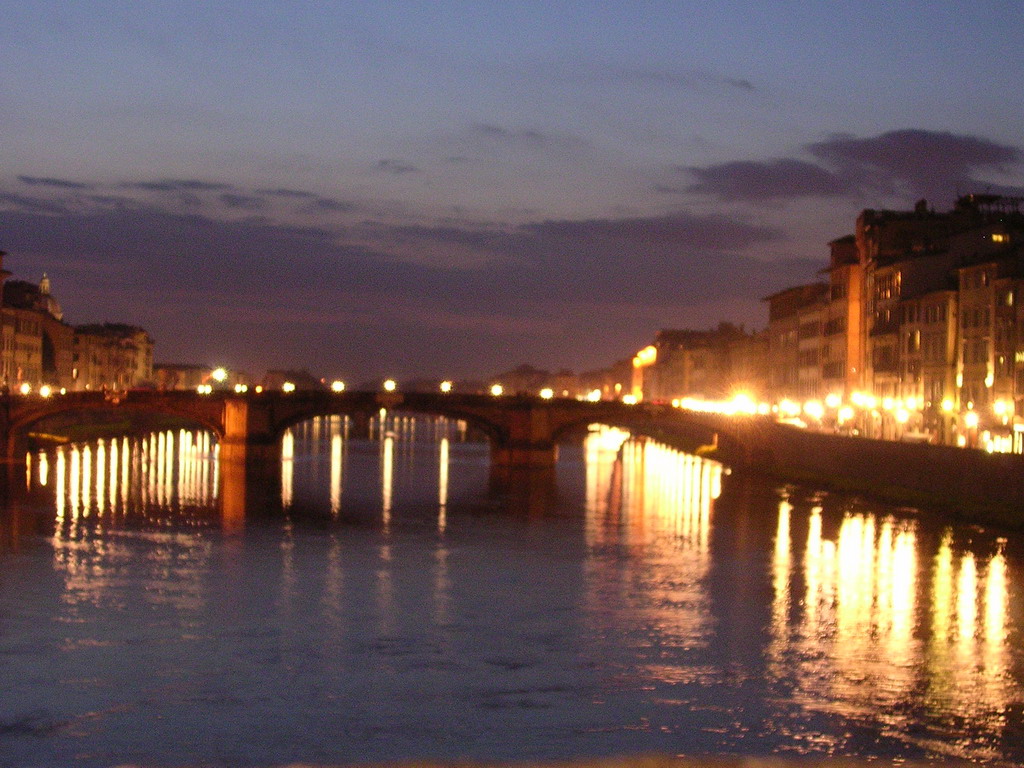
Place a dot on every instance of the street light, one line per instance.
(446, 387)
(390, 385)
(337, 386)
(497, 390)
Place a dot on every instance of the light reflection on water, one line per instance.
(654, 603)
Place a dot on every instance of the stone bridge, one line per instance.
(523, 431)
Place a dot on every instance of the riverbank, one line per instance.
(969, 485)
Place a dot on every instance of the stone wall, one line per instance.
(970, 484)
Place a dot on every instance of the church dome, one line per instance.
(46, 301)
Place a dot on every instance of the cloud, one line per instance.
(284, 192)
(177, 185)
(680, 230)
(913, 162)
(497, 132)
(50, 182)
(327, 204)
(921, 162)
(243, 202)
(523, 137)
(29, 204)
(765, 180)
(396, 167)
(482, 292)
(739, 82)
(689, 80)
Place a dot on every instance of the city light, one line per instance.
(833, 400)
(646, 356)
(45, 390)
(971, 419)
(547, 393)
(947, 405)
(789, 409)
(390, 385)
(594, 396)
(814, 409)
(629, 399)
(241, 389)
(337, 386)
(204, 389)
(446, 386)
(25, 388)
(219, 375)
(497, 390)
(288, 386)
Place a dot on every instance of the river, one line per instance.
(383, 600)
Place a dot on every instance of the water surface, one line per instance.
(384, 600)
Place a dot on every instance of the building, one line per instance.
(705, 365)
(36, 345)
(795, 340)
(112, 356)
(842, 348)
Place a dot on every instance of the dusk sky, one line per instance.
(454, 188)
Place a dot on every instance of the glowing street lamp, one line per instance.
(814, 409)
(547, 393)
(288, 386)
(497, 390)
(337, 386)
(446, 387)
(25, 388)
(971, 419)
(390, 385)
(219, 375)
(45, 390)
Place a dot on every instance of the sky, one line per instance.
(451, 189)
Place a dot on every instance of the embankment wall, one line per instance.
(970, 484)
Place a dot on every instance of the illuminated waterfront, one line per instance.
(382, 603)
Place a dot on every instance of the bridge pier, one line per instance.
(528, 441)
(540, 455)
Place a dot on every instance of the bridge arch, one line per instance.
(20, 414)
(494, 432)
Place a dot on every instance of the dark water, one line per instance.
(395, 605)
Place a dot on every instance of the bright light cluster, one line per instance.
(741, 404)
